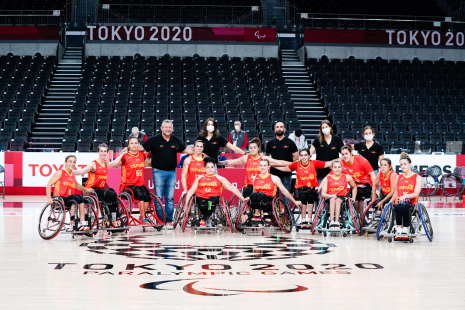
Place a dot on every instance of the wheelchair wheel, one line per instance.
(179, 213)
(126, 199)
(355, 217)
(426, 222)
(124, 215)
(51, 220)
(159, 213)
(387, 220)
(225, 213)
(368, 217)
(244, 215)
(452, 184)
(282, 215)
(189, 214)
(233, 201)
(318, 219)
(430, 185)
(91, 213)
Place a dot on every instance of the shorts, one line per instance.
(363, 192)
(306, 195)
(71, 199)
(247, 191)
(261, 201)
(141, 193)
(108, 195)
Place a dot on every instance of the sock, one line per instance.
(84, 223)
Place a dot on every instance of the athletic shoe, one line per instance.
(106, 224)
(146, 221)
(116, 224)
(169, 226)
(202, 223)
(208, 223)
(83, 228)
(405, 230)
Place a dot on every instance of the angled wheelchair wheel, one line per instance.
(180, 211)
(124, 215)
(244, 215)
(233, 201)
(226, 214)
(425, 219)
(91, 213)
(430, 185)
(452, 184)
(190, 212)
(126, 199)
(158, 209)
(368, 216)
(355, 218)
(282, 215)
(319, 216)
(387, 221)
(51, 220)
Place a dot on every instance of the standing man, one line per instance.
(140, 135)
(299, 139)
(238, 137)
(164, 148)
(282, 148)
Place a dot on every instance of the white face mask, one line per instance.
(369, 137)
(326, 131)
(237, 128)
(210, 128)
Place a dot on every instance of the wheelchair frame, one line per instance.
(292, 208)
(103, 210)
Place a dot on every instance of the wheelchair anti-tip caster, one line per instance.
(324, 234)
(297, 229)
(389, 239)
(127, 231)
(411, 240)
(195, 231)
(73, 237)
(143, 229)
(243, 231)
(158, 229)
(109, 233)
(217, 231)
(344, 234)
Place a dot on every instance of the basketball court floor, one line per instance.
(175, 270)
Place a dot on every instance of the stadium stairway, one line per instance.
(51, 122)
(310, 111)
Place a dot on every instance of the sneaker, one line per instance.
(116, 224)
(208, 223)
(398, 230)
(146, 221)
(169, 226)
(202, 223)
(106, 224)
(405, 230)
(83, 228)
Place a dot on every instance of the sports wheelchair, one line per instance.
(105, 215)
(220, 218)
(52, 219)
(371, 217)
(156, 216)
(349, 219)
(420, 224)
(275, 214)
(297, 214)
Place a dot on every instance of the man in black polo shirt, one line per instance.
(164, 148)
(282, 148)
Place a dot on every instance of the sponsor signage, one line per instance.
(29, 32)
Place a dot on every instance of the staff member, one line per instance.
(238, 137)
(299, 139)
(326, 146)
(164, 148)
(371, 150)
(212, 140)
(282, 148)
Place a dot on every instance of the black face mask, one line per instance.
(279, 133)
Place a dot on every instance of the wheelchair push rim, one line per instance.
(57, 215)
(426, 221)
(317, 218)
(282, 215)
(179, 213)
(154, 211)
(188, 214)
(389, 219)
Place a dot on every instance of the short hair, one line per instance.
(132, 137)
(197, 141)
(166, 121)
(238, 121)
(212, 160)
(102, 145)
(265, 160)
(134, 129)
(336, 162)
(69, 156)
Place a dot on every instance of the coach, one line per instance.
(282, 148)
(164, 148)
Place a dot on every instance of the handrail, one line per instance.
(179, 5)
(379, 19)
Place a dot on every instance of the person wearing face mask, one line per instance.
(370, 149)
(326, 146)
(299, 139)
(238, 137)
(213, 141)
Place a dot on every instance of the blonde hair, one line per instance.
(405, 156)
(336, 162)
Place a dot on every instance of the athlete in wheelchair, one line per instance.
(336, 212)
(83, 217)
(206, 210)
(410, 216)
(387, 181)
(264, 209)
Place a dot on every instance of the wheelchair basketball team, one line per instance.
(200, 180)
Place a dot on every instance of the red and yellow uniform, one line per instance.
(65, 186)
(265, 185)
(132, 170)
(306, 175)
(251, 169)
(337, 186)
(358, 169)
(98, 178)
(209, 186)
(196, 168)
(406, 185)
(386, 183)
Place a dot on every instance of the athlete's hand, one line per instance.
(298, 203)
(380, 205)
(183, 193)
(402, 198)
(352, 199)
(90, 190)
(123, 151)
(50, 201)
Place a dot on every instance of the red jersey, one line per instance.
(306, 175)
(98, 178)
(358, 169)
(209, 186)
(386, 182)
(265, 185)
(251, 169)
(65, 186)
(337, 186)
(196, 169)
(132, 170)
(406, 185)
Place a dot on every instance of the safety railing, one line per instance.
(25, 17)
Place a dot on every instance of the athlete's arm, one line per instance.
(228, 186)
(185, 170)
(283, 190)
(89, 167)
(235, 149)
(372, 176)
(147, 163)
(48, 189)
(238, 161)
(353, 186)
(393, 185)
(191, 192)
(116, 161)
(375, 186)
(83, 189)
(189, 150)
(277, 163)
(328, 163)
(285, 169)
(312, 150)
(324, 188)
(295, 156)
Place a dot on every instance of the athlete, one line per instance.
(265, 186)
(98, 174)
(334, 188)
(132, 176)
(208, 189)
(193, 167)
(361, 171)
(306, 184)
(65, 183)
(406, 196)
(387, 179)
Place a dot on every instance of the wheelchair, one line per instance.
(156, 216)
(180, 212)
(371, 218)
(105, 215)
(220, 218)
(297, 214)
(349, 219)
(52, 219)
(420, 224)
(275, 214)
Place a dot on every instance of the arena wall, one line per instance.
(28, 48)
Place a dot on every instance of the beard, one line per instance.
(279, 133)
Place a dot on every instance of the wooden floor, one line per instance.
(175, 270)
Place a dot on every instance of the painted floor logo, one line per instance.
(275, 248)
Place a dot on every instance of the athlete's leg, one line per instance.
(338, 209)
(332, 207)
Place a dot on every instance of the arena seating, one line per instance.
(33, 5)
(116, 94)
(405, 101)
(22, 85)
